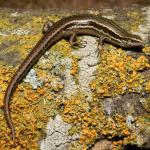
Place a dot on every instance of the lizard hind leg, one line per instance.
(47, 26)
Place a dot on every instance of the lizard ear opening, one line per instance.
(47, 26)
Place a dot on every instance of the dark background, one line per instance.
(71, 4)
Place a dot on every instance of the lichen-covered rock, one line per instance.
(95, 94)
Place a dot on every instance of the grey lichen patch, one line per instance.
(57, 136)
(32, 79)
(20, 31)
(62, 65)
(50, 60)
(108, 105)
(15, 14)
(129, 121)
(87, 64)
(70, 85)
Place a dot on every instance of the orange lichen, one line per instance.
(140, 64)
(74, 70)
(118, 73)
(85, 116)
(27, 113)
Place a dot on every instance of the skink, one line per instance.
(106, 30)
